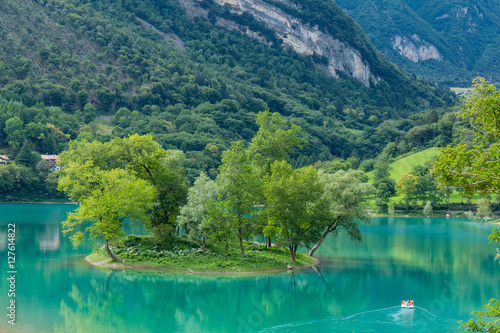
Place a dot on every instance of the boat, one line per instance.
(407, 304)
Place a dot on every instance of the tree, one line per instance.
(106, 198)
(382, 170)
(273, 142)
(140, 158)
(239, 184)
(406, 186)
(220, 222)
(390, 208)
(428, 209)
(25, 157)
(483, 209)
(345, 196)
(481, 325)
(193, 215)
(146, 159)
(295, 203)
(475, 168)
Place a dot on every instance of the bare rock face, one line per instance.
(415, 49)
(307, 40)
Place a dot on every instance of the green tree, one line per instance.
(390, 208)
(382, 170)
(219, 222)
(273, 141)
(239, 184)
(25, 157)
(427, 209)
(406, 187)
(345, 196)
(474, 167)
(193, 215)
(106, 198)
(295, 203)
(483, 209)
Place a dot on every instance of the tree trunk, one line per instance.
(203, 246)
(268, 242)
(328, 230)
(241, 243)
(315, 247)
(293, 252)
(227, 247)
(108, 251)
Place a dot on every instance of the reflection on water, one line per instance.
(446, 266)
(50, 239)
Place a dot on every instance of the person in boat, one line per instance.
(411, 302)
(403, 302)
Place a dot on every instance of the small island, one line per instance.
(185, 256)
(211, 226)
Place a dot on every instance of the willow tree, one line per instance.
(346, 196)
(193, 216)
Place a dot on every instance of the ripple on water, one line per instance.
(388, 320)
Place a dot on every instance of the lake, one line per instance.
(446, 266)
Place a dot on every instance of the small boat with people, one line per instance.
(407, 304)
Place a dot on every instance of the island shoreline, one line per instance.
(106, 264)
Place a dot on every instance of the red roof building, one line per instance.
(4, 159)
(53, 160)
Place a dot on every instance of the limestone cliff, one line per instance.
(415, 49)
(307, 40)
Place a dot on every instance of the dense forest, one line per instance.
(450, 42)
(75, 70)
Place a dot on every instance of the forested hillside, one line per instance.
(77, 69)
(445, 41)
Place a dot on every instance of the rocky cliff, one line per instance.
(307, 40)
(415, 49)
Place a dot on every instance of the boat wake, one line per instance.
(393, 319)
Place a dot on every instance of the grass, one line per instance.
(404, 165)
(185, 256)
(104, 127)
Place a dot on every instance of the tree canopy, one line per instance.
(475, 166)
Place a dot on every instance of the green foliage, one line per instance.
(182, 254)
(481, 324)
(428, 209)
(203, 91)
(483, 209)
(106, 198)
(466, 41)
(192, 216)
(473, 166)
(239, 184)
(295, 203)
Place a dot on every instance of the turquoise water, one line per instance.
(446, 266)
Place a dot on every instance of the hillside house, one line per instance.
(4, 159)
(52, 160)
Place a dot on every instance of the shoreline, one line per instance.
(38, 202)
(106, 264)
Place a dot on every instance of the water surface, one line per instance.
(446, 266)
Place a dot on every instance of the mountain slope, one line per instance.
(192, 73)
(446, 41)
